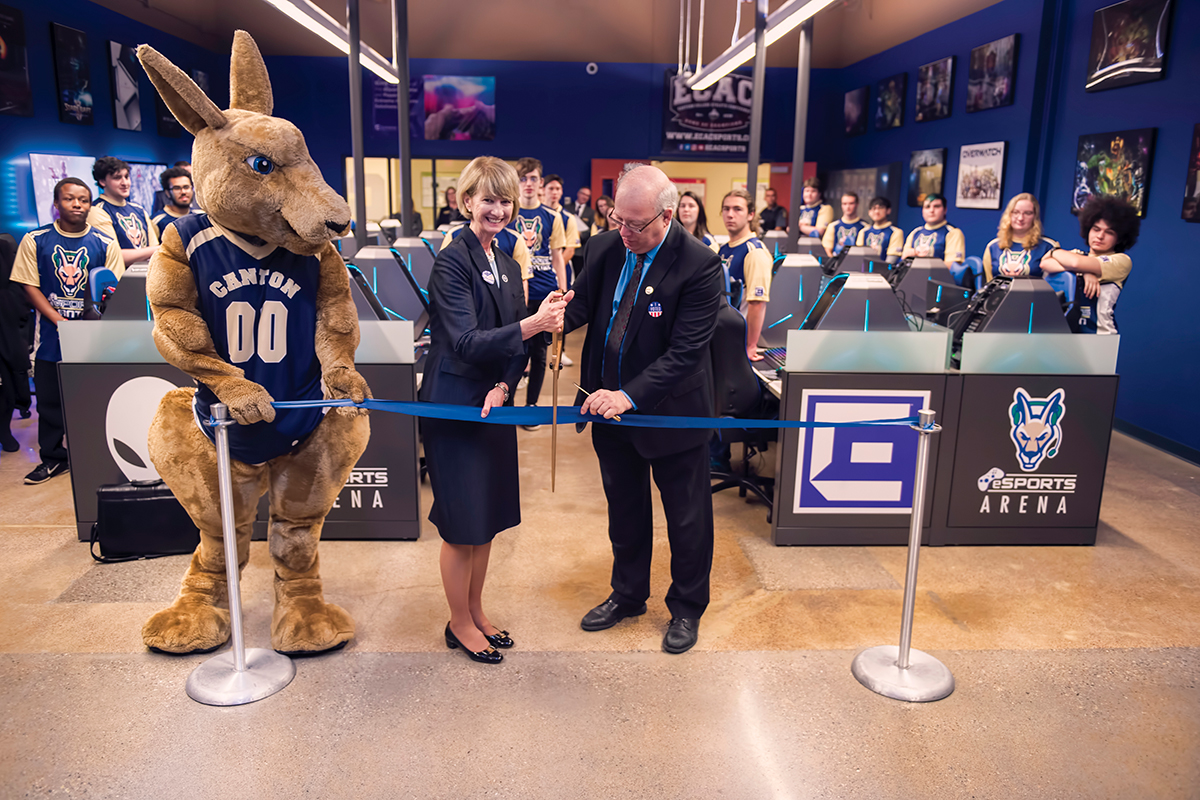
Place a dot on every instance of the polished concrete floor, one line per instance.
(1077, 668)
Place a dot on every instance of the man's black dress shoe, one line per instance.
(609, 613)
(489, 656)
(681, 635)
(501, 639)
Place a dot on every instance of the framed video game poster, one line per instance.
(16, 96)
(935, 88)
(980, 175)
(1116, 164)
(73, 75)
(1129, 44)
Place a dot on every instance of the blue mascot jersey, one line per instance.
(260, 305)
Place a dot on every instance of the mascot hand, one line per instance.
(343, 382)
(248, 402)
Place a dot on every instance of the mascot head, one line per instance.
(252, 171)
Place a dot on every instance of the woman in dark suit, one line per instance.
(476, 356)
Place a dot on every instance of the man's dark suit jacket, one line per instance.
(585, 213)
(665, 357)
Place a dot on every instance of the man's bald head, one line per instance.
(645, 204)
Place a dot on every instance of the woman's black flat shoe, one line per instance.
(501, 639)
(489, 656)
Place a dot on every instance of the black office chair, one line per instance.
(740, 394)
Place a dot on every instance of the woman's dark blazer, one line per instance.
(475, 342)
(474, 325)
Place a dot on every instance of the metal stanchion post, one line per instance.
(901, 672)
(238, 676)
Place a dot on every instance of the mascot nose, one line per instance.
(336, 227)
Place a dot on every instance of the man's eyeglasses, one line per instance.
(618, 223)
(180, 189)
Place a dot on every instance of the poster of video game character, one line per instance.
(991, 75)
(73, 74)
(1115, 164)
(1129, 44)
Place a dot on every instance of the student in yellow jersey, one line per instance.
(691, 216)
(936, 238)
(543, 230)
(1110, 226)
(815, 216)
(116, 216)
(882, 236)
(748, 265)
(844, 232)
(177, 184)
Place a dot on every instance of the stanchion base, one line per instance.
(925, 680)
(217, 683)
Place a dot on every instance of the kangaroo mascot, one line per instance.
(253, 302)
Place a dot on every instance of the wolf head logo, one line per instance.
(71, 268)
(1037, 426)
(531, 229)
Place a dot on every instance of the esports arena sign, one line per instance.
(714, 121)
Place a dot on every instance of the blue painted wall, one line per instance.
(832, 149)
(1159, 365)
(43, 133)
(553, 111)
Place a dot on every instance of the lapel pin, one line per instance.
(649, 290)
(504, 277)
(655, 310)
(489, 277)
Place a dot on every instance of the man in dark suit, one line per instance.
(582, 207)
(649, 294)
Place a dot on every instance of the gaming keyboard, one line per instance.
(775, 357)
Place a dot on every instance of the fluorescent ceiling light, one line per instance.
(317, 21)
(779, 24)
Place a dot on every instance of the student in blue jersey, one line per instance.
(177, 183)
(552, 192)
(1110, 226)
(815, 216)
(936, 238)
(844, 232)
(1019, 247)
(748, 264)
(691, 216)
(882, 236)
(117, 217)
(545, 236)
(53, 263)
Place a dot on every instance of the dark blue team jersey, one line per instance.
(63, 264)
(260, 305)
(845, 234)
(129, 223)
(536, 225)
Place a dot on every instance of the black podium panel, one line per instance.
(851, 485)
(108, 408)
(1029, 459)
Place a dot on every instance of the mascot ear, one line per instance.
(249, 86)
(187, 102)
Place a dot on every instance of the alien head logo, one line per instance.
(1037, 426)
(131, 411)
(71, 268)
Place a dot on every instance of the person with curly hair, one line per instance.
(1019, 246)
(1110, 226)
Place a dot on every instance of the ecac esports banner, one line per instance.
(716, 120)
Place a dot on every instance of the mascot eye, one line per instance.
(261, 164)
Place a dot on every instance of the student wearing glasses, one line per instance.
(1019, 246)
(177, 183)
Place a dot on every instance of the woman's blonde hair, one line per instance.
(487, 176)
(1004, 236)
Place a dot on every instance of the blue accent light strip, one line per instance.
(780, 321)
(867, 315)
(1031, 318)
(393, 313)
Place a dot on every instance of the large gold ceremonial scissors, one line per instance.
(556, 348)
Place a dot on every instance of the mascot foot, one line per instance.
(304, 624)
(188, 626)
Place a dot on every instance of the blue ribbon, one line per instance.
(569, 415)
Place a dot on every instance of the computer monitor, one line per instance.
(944, 301)
(128, 300)
(832, 265)
(794, 287)
(365, 301)
(857, 302)
(777, 242)
(826, 300)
